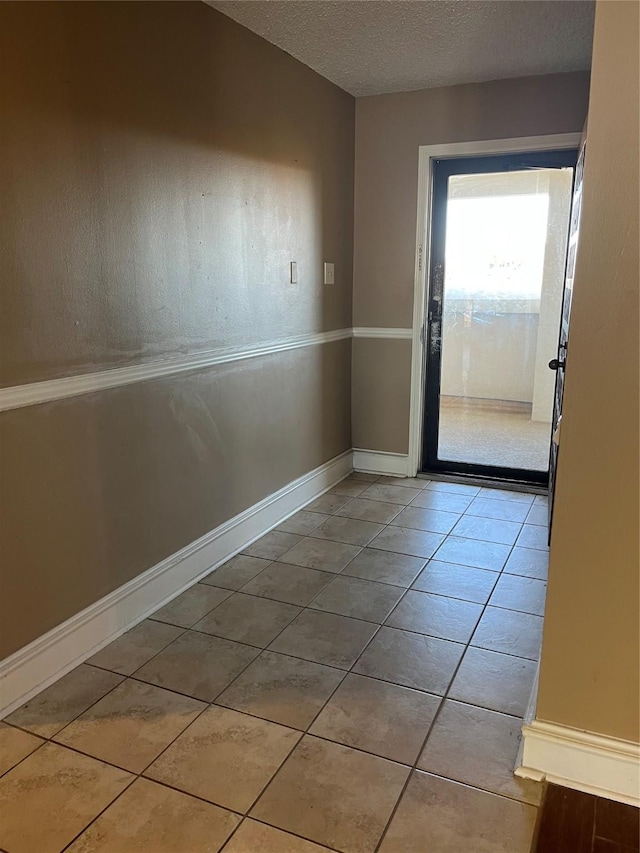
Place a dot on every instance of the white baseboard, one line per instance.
(378, 462)
(34, 667)
(599, 765)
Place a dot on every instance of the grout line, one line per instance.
(435, 718)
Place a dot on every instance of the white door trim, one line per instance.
(427, 153)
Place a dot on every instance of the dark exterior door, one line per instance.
(434, 458)
(558, 364)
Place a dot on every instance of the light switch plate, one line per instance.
(293, 272)
(329, 274)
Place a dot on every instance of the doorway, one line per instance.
(499, 229)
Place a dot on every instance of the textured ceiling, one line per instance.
(372, 46)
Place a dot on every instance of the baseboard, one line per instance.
(34, 667)
(379, 462)
(599, 765)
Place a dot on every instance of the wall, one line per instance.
(389, 131)
(590, 658)
(160, 166)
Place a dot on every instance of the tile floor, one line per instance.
(354, 682)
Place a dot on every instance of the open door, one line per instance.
(498, 261)
(558, 364)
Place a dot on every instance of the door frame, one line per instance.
(428, 153)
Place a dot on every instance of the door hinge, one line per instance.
(420, 253)
(423, 331)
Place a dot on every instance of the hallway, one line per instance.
(354, 681)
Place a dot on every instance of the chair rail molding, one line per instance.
(378, 332)
(34, 393)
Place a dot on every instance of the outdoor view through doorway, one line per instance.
(495, 306)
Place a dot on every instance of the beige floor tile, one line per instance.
(272, 545)
(432, 520)
(472, 552)
(480, 748)
(504, 510)
(14, 746)
(404, 540)
(412, 660)
(136, 647)
(487, 529)
(247, 619)
(541, 500)
(53, 795)
(446, 817)
(453, 488)
(55, 707)
(291, 584)
(303, 523)
(506, 495)
(519, 593)
(361, 475)
(401, 495)
(154, 818)
(447, 618)
(131, 725)
(444, 501)
(321, 554)
(236, 572)
(349, 488)
(378, 717)
(187, 609)
(358, 598)
(410, 482)
(333, 795)
(282, 689)
(328, 503)
(495, 681)
(533, 536)
(254, 837)
(538, 515)
(324, 638)
(528, 562)
(377, 511)
(198, 665)
(225, 757)
(509, 632)
(385, 567)
(351, 531)
(456, 581)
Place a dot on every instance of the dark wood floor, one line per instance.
(573, 822)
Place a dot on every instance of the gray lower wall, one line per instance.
(381, 394)
(99, 488)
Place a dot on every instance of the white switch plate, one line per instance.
(329, 274)
(293, 272)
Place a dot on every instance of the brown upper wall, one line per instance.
(160, 166)
(389, 131)
(590, 666)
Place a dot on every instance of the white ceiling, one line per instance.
(372, 46)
